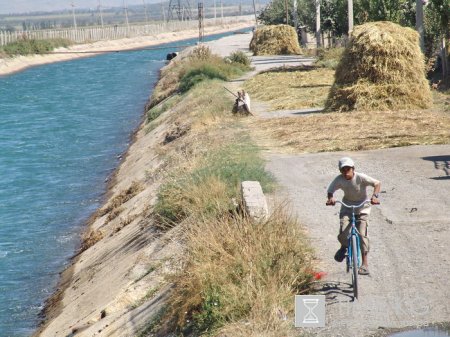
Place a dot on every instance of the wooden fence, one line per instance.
(91, 34)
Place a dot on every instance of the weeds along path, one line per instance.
(410, 255)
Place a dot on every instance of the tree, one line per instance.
(437, 30)
(333, 14)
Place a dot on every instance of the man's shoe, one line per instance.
(363, 270)
(340, 254)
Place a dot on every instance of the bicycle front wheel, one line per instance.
(355, 266)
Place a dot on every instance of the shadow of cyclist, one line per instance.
(335, 291)
(440, 163)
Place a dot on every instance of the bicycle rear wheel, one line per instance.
(355, 266)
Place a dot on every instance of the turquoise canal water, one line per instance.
(62, 128)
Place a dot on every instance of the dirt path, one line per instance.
(410, 231)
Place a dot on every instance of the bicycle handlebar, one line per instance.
(353, 206)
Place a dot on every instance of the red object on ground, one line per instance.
(319, 274)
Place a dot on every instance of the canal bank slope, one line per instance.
(19, 63)
(118, 283)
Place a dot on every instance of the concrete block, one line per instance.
(254, 200)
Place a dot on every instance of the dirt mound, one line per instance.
(275, 40)
(381, 69)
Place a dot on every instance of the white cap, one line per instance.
(346, 161)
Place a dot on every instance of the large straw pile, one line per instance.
(381, 69)
(275, 40)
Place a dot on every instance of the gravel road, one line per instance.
(409, 233)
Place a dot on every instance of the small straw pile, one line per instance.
(381, 69)
(275, 40)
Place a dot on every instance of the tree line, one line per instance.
(334, 16)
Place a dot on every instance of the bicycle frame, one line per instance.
(354, 262)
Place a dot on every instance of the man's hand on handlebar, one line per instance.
(331, 202)
(374, 201)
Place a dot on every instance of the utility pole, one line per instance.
(350, 17)
(163, 11)
(182, 9)
(125, 8)
(287, 11)
(100, 11)
(201, 29)
(295, 17)
(221, 12)
(215, 12)
(240, 7)
(145, 10)
(256, 17)
(318, 24)
(74, 18)
(419, 24)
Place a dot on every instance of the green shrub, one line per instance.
(32, 46)
(240, 57)
(177, 70)
(201, 52)
(194, 76)
(329, 58)
(159, 109)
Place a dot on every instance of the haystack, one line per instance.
(275, 40)
(381, 69)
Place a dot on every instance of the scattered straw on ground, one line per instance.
(292, 87)
(359, 131)
(381, 69)
(275, 40)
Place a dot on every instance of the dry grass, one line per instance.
(292, 88)
(275, 40)
(381, 69)
(357, 131)
(125, 222)
(91, 239)
(361, 130)
(239, 269)
(121, 198)
(182, 198)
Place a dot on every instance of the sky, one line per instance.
(23, 6)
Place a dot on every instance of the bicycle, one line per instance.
(353, 261)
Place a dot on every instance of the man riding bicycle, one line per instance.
(354, 185)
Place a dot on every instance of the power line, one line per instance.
(100, 10)
(125, 7)
(73, 14)
(145, 10)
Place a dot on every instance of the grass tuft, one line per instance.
(208, 189)
(91, 239)
(196, 75)
(239, 57)
(159, 109)
(329, 57)
(122, 198)
(239, 269)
